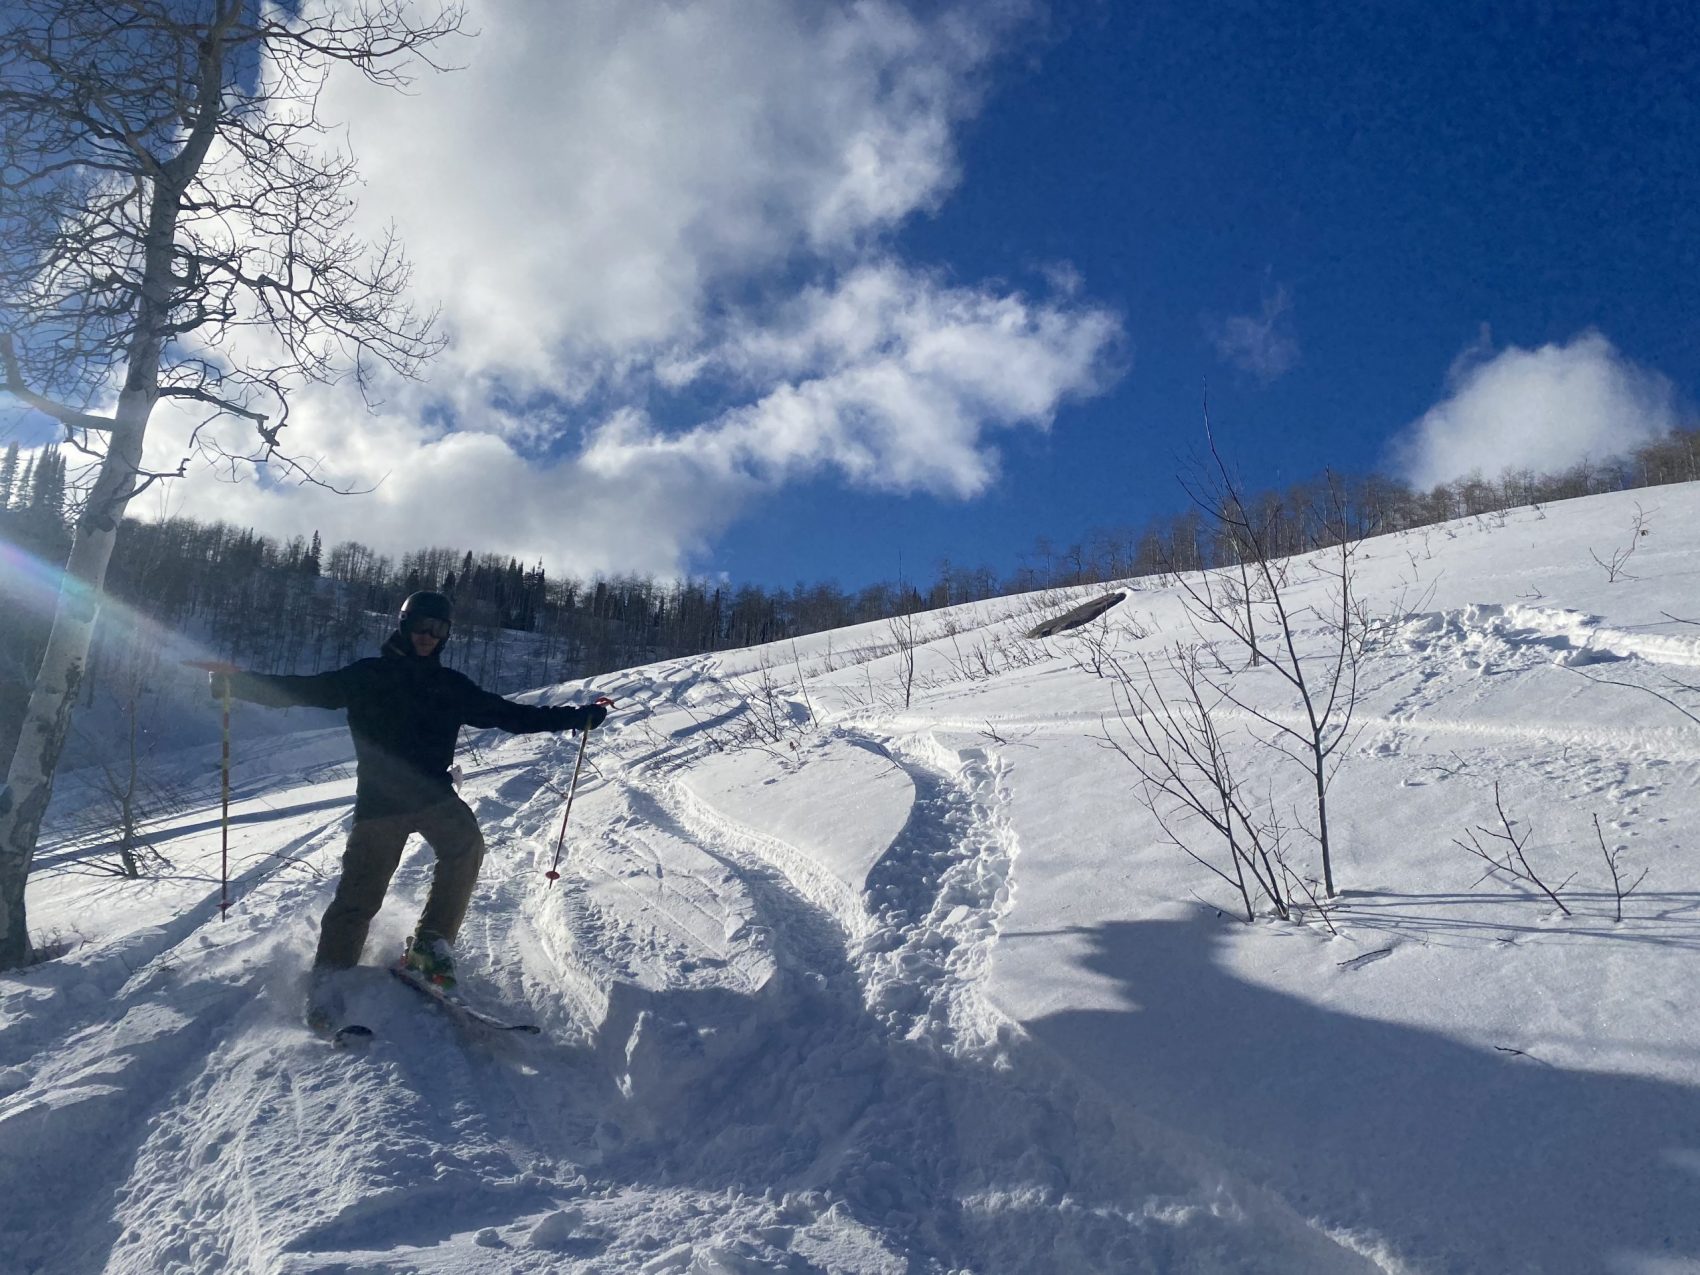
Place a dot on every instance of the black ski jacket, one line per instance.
(405, 713)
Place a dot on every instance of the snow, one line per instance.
(834, 981)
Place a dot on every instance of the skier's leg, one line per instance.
(374, 850)
(452, 830)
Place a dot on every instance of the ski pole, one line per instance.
(554, 874)
(214, 666)
(224, 804)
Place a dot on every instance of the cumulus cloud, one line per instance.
(625, 208)
(579, 191)
(890, 380)
(1261, 344)
(1544, 409)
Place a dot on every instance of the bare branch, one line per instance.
(204, 396)
(14, 385)
(1635, 686)
(1619, 890)
(1505, 854)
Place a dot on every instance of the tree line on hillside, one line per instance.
(293, 605)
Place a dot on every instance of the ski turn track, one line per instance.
(878, 1094)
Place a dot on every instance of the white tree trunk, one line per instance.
(29, 782)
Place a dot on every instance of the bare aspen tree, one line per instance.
(175, 224)
(1323, 676)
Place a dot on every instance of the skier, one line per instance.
(405, 711)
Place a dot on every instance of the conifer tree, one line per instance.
(26, 484)
(8, 475)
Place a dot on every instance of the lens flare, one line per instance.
(31, 586)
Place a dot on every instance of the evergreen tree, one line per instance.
(8, 476)
(25, 484)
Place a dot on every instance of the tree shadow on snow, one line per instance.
(1461, 1158)
(1657, 918)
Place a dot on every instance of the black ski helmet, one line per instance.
(426, 606)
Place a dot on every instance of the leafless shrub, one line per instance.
(973, 665)
(1175, 743)
(764, 718)
(1505, 853)
(802, 681)
(993, 735)
(1616, 567)
(1092, 647)
(129, 793)
(994, 655)
(55, 945)
(1315, 903)
(1458, 767)
(902, 629)
(1620, 892)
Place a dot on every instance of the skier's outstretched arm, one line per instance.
(485, 710)
(282, 690)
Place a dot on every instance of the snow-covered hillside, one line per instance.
(837, 982)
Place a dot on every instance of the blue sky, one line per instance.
(801, 292)
(1401, 174)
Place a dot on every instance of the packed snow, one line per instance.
(854, 968)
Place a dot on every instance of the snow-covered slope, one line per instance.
(835, 981)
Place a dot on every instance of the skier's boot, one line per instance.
(325, 1009)
(430, 958)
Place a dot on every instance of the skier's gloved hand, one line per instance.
(587, 718)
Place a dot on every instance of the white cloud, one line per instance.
(1543, 409)
(891, 380)
(470, 489)
(612, 203)
(1261, 344)
(577, 193)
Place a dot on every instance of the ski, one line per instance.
(458, 1008)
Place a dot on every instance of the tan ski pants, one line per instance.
(374, 851)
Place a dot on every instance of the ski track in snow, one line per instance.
(875, 1045)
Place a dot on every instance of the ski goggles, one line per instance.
(429, 625)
